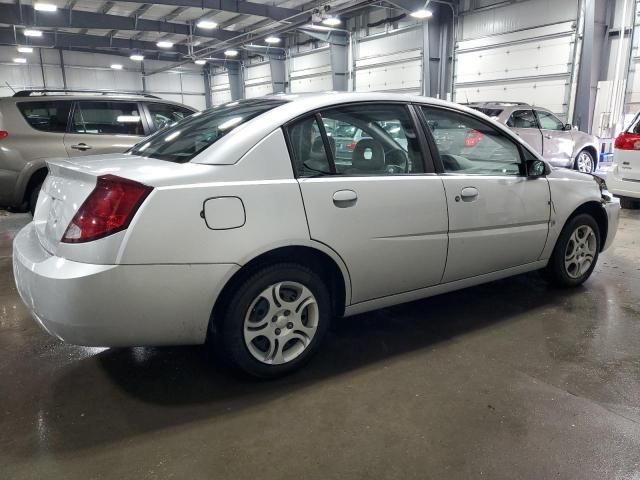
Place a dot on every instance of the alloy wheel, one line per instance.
(585, 162)
(281, 322)
(580, 251)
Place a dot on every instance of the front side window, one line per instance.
(186, 139)
(373, 139)
(48, 116)
(107, 118)
(163, 114)
(549, 121)
(470, 146)
(522, 119)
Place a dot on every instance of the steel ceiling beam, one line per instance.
(62, 18)
(74, 40)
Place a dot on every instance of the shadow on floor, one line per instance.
(121, 393)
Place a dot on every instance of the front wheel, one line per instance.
(275, 320)
(585, 162)
(576, 252)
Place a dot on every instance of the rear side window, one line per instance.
(309, 154)
(186, 139)
(48, 116)
(522, 119)
(163, 114)
(107, 118)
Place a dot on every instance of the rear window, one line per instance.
(50, 116)
(182, 141)
(489, 112)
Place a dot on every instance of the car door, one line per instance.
(498, 217)
(525, 124)
(107, 126)
(380, 210)
(557, 143)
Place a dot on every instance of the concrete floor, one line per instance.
(508, 380)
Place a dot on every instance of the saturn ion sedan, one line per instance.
(238, 225)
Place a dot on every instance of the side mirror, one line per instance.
(568, 126)
(537, 168)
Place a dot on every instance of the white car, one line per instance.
(237, 224)
(624, 177)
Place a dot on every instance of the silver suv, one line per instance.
(560, 144)
(37, 125)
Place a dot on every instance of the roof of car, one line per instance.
(81, 96)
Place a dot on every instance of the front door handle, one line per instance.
(468, 194)
(548, 137)
(345, 198)
(81, 146)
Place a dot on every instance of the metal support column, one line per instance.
(234, 71)
(339, 53)
(278, 73)
(583, 112)
(64, 74)
(426, 61)
(206, 77)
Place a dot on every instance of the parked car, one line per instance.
(560, 144)
(238, 224)
(35, 125)
(624, 176)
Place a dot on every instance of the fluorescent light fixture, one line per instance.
(127, 118)
(231, 52)
(164, 44)
(272, 40)
(317, 26)
(45, 7)
(19, 60)
(332, 21)
(422, 14)
(200, 61)
(206, 24)
(116, 66)
(25, 49)
(32, 33)
(136, 57)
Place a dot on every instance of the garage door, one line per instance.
(311, 71)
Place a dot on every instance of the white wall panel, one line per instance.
(311, 72)
(316, 83)
(388, 44)
(257, 80)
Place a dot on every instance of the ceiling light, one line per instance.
(19, 60)
(332, 21)
(25, 49)
(164, 44)
(206, 24)
(116, 66)
(422, 14)
(272, 40)
(136, 57)
(200, 61)
(45, 7)
(231, 52)
(32, 33)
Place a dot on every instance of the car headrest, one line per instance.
(318, 145)
(368, 147)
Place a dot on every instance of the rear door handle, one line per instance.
(548, 137)
(468, 194)
(81, 146)
(345, 198)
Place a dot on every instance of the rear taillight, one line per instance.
(351, 146)
(3, 134)
(628, 141)
(474, 137)
(107, 210)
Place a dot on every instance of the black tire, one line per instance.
(629, 203)
(230, 330)
(594, 164)
(33, 197)
(556, 270)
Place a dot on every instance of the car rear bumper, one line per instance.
(116, 305)
(611, 206)
(621, 187)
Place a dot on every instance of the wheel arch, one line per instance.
(33, 173)
(322, 260)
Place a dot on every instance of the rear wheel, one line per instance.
(629, 203)
(576, 252)
(275, 320)
(585, 162)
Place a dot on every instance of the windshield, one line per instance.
(185, 139)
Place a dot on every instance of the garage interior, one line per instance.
(513, 379)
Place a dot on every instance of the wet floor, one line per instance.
(508, 380)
